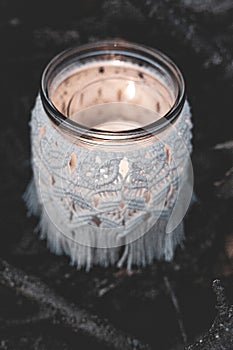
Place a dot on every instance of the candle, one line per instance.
(83, 94)
(108, 167)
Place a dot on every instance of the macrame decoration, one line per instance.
(102, 201)
(89, 208)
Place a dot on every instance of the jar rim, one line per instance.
(123, 48)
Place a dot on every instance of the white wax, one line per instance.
(120, 125)
(116, 116)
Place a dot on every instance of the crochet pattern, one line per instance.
(93, 200)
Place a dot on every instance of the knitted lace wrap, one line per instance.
(89, 207)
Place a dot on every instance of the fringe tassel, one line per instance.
(141, 252)
(30, 197)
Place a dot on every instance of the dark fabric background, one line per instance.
(163, 304)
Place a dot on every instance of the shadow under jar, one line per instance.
(110, 136)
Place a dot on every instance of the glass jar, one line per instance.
(110, 136)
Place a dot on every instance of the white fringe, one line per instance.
(30, 197)
(155, 244)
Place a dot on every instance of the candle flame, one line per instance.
(130, 90)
